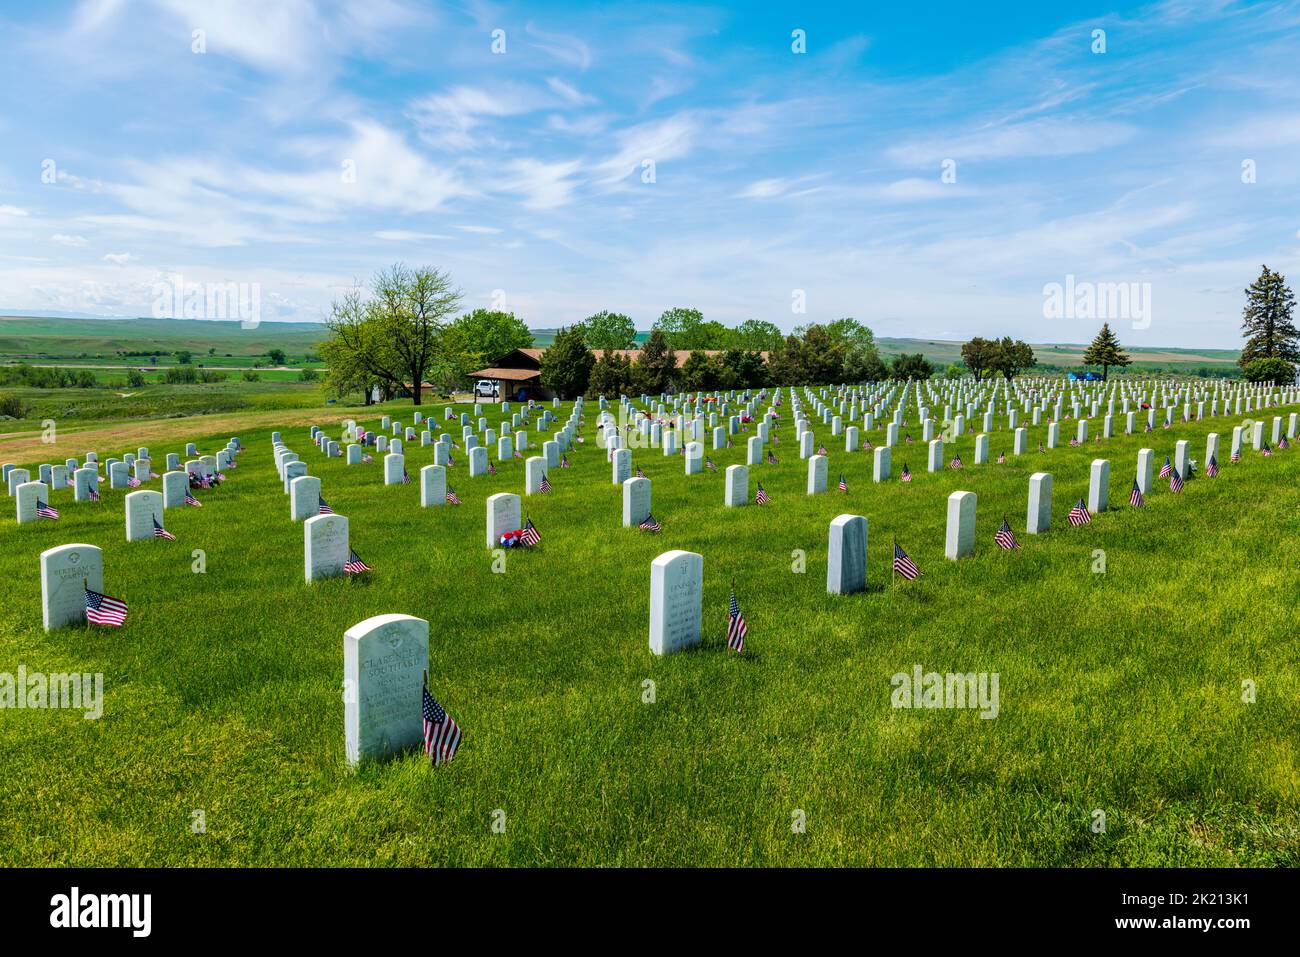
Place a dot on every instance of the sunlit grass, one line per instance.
(1120, 692)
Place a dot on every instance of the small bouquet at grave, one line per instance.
(512, 539)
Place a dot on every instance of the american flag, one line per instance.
(133, 482)
(909, 438)
(907, 474)
(1212, 468)
(94, 494)
(366, 459)
(904, 565)
(771, 458)
(1074, 442)
(844, 486)
(191, 501)
(650, 525)
(1135, 497)
(728, 441)
(354, 565)
(564, 462)
(452, 497)
(1166, 469)
(1079, 515)
(546, 484)
(866, 445)
(1236, 455)
(518, 454)
(736, 627)
(531, 535)
(1040, 447)
(1175, 482)
(492, 469)
(956, 462)
(776, 439)
(43, 510)
(441, 733)
(821, 450)
(103, 610)
(760, 497)
(1005, 537)
(639, 473)
(1148, 428)
(1266, 450)
(708, 463)
(406, 477)
(322, 507)
(455, 444)
(1002, 458)
(451, 460)
(219, 476)
(160, 532)
(1283, 443)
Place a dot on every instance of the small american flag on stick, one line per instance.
(903, 565)
(1136, 498)
(1175, 482)
(1005, 537)
(531, 535)
(160, 532)
(650, 524)
(322, 507)
(43, 510)
(191, 501)
(354, 565)
(907, 474)
(760, 497)
(1079, 515)
(1167, 469)
(103, 610)
(844, 485)
(736, 627)
(1212, 468)
(441, 733)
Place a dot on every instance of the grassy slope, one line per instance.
(75, 337)
(72, 338)
(1119, 691)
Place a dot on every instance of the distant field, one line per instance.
(34, 338)
(100, 342)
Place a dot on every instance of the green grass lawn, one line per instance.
(1120, 692)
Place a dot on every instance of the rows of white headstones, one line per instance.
(385, 657)
(326, 541)
(67, 570)
(677, 576)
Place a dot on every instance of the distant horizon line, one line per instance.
(9, 315)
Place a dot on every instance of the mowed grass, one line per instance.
(1119, 692)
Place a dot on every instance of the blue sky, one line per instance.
(522, 173)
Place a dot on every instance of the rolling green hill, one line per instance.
(105, 341)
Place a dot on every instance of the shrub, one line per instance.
(1275, 371)
(13, 407)
(308, 375)
(251, 376)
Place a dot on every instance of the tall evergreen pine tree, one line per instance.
(1266, 321)
(1105, 351)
